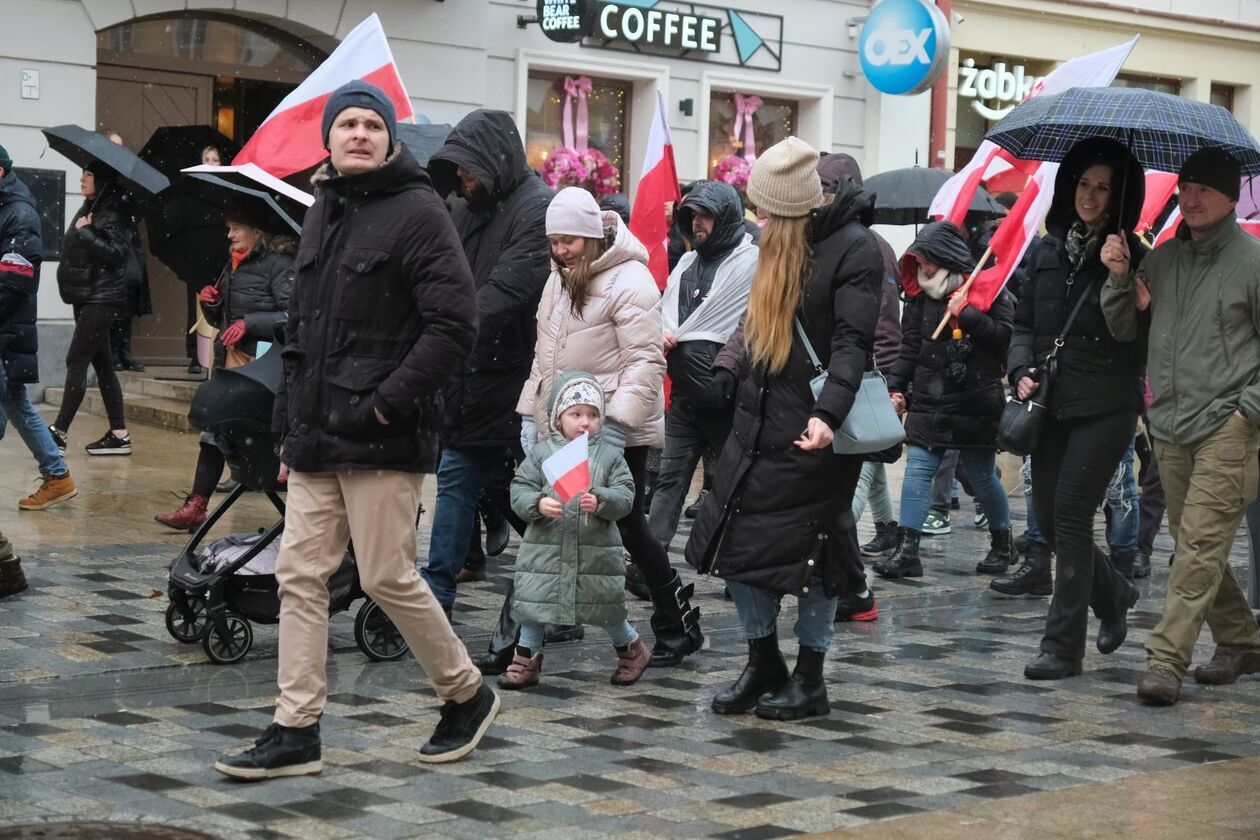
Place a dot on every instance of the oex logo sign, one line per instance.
(904, 46)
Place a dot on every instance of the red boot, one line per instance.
(188, 517)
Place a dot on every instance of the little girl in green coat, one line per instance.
(570, 569)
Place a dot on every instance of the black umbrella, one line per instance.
(83, 147)
(174, 147)
(1161, 130)
(422, 140)
(903, 196)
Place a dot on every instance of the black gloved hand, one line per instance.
(720, 395)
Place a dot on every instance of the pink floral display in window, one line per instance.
(577, 163)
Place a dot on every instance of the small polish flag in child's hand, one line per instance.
(569, 469)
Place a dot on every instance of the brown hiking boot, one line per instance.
(12, 581)
(1159, 686)
(522, 673)
(54, 489)
(1227, 665)
(631, 664)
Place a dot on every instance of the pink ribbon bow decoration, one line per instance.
(576, 87)
(745, 108)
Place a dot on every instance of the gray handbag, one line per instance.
(871, 425)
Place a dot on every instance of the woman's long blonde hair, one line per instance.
(776, 290)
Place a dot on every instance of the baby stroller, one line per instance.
(216, 592)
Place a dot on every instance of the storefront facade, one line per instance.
(1208, 51)
(784, 68)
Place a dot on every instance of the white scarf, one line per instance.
(939, 285)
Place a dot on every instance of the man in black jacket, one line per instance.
(705, 298)
(381, 311)
(21, 252)
(500, 215)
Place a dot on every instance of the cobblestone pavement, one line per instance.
(103, 716)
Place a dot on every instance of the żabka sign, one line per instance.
(904, 46)
(658, 27)
(1008, 87)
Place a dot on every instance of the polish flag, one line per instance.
(569, 469)
(1094, 70)
(658, 183)
(1016, 232)
(1169, 230)
(1159, 188)
(289, 139)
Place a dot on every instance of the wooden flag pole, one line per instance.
(963, 288)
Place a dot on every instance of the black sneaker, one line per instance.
(461, 726)
(853, 607)
(281, 751)
(110, 444)
(59, 438)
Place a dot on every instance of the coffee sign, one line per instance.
(659, 27)
(994, 84)
(566, 21)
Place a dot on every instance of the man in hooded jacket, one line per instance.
(500, 215)
(705, 298)
(21, 252)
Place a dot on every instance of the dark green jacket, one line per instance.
(1203, 355)
(571, 570)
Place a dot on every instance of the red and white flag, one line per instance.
(569, 469)
(1020, 226)
(658, 183)
(289, 139)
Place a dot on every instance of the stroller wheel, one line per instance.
(376, 635)
(180, 627)
(233, 647)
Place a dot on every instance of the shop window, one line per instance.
(602, 126)
(771, 120)
(1155, 83)
(1223, 95)
(174, 42)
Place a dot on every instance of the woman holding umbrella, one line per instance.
(1094, 397)
(250, 297)
(98, 256)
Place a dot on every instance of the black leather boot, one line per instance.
(1000, 556)
(1141, 565)
(675, 622)
(765, 672)
(1030, 578)
(1048, 666)
(802, 696)
(1111, 634)
(503, 642)
(1124, 561)
(904, 562)
(636, 584)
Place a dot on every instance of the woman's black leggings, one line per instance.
(645, 552)
(209, 469)
(90, 345)
(1071, 469)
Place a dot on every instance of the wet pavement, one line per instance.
(105, 718)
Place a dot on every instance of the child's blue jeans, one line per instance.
(622, 635)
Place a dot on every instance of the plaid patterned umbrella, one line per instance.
(1160, 130)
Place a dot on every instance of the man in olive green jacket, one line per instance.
(1202, 290)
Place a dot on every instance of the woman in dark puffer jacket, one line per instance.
(951, 388)
(1094, 400)
(97, 255)
(250, 297)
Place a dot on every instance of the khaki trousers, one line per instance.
(1209, 486)
(377, 509)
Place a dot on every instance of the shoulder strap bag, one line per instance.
(1022, 422)
(871, 424)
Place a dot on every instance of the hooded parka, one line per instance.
(20, 233)
(382, 311)
(572, 570)
(616, 337)
(1097, 374)
(503, 229)
(953, 387)
(774, 518)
